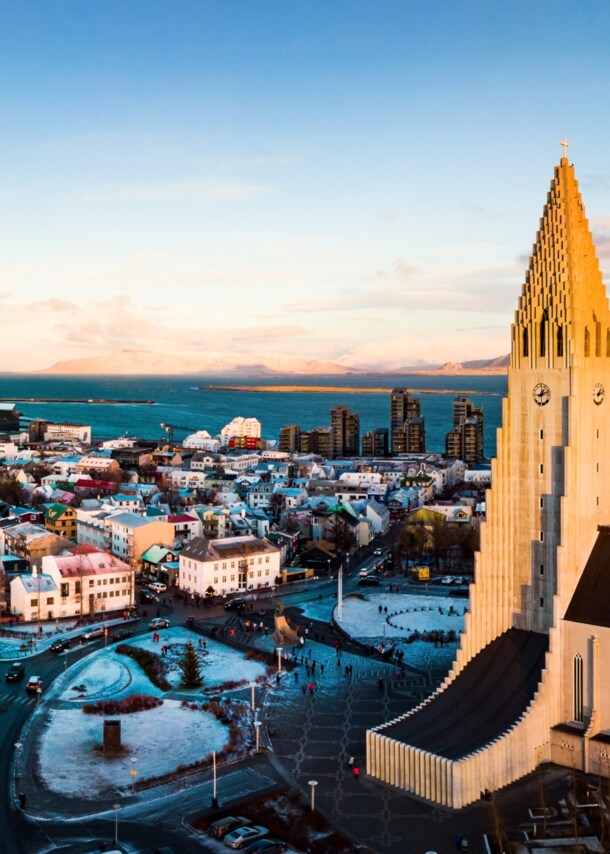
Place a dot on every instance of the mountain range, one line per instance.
(134, 362)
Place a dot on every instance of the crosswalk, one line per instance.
(13, 699)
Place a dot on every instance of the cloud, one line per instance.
(214, 191)
(386, 217)
(265, 334)
(595, 183)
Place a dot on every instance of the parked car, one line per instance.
(60, 645)
(243, 836)
(222, 826)
(15, 672)
(34, 683)
(121, 634)
(93, 632)
(267, 846)
(157, 587)
(159, 623)
(147, 596)
(237, 604)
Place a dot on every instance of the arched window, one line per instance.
(526, 344)
(560, 340)
(578, 689)
(598, 338)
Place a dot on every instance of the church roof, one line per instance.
(490, 695)
(589, 603)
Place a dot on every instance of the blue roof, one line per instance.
(131, 520)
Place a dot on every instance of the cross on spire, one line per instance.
(564, 145)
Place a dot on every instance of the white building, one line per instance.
(68, 433)
(73, 585)
(229, 565)
(240, 427)
(202, 441)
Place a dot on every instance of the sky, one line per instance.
(352, 181)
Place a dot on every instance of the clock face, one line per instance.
(541, 394)
(598, 393)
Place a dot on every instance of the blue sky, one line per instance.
(355, 181)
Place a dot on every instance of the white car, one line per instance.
(157, 587)
(378, 552)
(96, 632)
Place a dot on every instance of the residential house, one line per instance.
(131, 535)
(61, 519)
(31, 542)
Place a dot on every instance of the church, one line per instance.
(528, 685)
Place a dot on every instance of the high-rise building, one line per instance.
(290, 439)
(375, 443)
(344, 432)
(316, 441)
(465, 441)
(407, 429)
(527, 683)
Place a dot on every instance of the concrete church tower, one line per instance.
(525, 683)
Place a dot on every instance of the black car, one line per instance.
(60, 645)
(237, 604)
(147, 596)
(369, 580)
(15, 672)
(121, 634)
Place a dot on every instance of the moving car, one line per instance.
(243, 836)
(378, 552)
(94, 632)
(60, 645)
(121, 634)
(369, 580)
(147, 596)
(15, 672)
(237, 604)
(222, 826)
(159, 623)
(157, 587)
(34, 683)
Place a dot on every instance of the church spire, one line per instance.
(563, 309)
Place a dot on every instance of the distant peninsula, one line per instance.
(323, 389)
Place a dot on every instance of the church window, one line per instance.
(541, 569)
(598, 338)
(607, 342)
(543, 333)
(578, 689)
(597, 437)
(541, 503)
(587, 341)
(542, 434)
(541, 468)
(541, 602)
(560, 341)
(526, 342)
(541, 536)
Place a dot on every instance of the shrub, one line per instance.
(127, 706)
(150, 663)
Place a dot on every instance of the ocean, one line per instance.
(182, 402)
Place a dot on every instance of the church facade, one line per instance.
(526, 685)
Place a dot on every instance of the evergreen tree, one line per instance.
(189, 665)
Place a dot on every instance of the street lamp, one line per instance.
(116, 808)
(134, 773)
(257, 729)
(214, 797)
(252, 700)
(340, 593)
(279, 659)
(65, 660)
(312, 786)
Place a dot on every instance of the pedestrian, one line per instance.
(302, 641)
(356, 772)
(380, 608)
(313, 667)
(303, 689)
(350, 762)
(321, 669)
(312, 688)
(277, 679)
(347, 669)
(385, 610)
(338, 662)
(296, 677)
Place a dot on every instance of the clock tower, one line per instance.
(526, 686)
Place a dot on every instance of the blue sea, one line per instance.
(185, 403)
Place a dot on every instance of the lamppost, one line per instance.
(214, 797)
(279, 659)
(257, 728)
(116, 808)
(134, 773)
(312, 786)
(340, 592)
(252, 701)
(65, 660)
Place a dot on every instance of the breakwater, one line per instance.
(95, 400)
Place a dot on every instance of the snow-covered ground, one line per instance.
(24, 640)
(407, 613)
(68, 758)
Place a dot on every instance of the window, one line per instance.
(578, 689)
(542, 434)
(541, 602)
(541, 569)
(64, 590)
(33, 602)
(541, 468)
(91, 582)
(541, 536)
(77, 587)
(541, 503)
